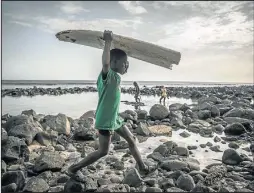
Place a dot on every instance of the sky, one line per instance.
(215, 39)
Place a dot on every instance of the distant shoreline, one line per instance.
(91, 82)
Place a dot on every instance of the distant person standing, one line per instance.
(163, 95)
(137, 92)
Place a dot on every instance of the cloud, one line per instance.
(133, 7)
(22, 23)
(69, 7)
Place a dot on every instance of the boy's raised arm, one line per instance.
(108, 37)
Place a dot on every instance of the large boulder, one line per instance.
(59, 123)
(242, 113)
(49, 161)
(20, 120)
(158, 112)
(231, 157)
(16, 177)
(74, 186)
(235, 129)
(204, 114)
(36, 184)
(14, 149)
(26, 131)
(185, 182)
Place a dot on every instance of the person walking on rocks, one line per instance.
(107, 120)
(163, 95)
(137, 92)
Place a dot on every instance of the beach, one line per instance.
(207, 132)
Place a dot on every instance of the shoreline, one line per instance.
(189, 143)
(180, 92)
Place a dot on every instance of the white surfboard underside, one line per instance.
(140, 50)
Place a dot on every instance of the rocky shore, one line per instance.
(226, 92)
(37, 149)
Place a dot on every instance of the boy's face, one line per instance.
(120, 65)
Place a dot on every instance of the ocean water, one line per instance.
(73, 105)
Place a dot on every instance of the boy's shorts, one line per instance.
(106, 132)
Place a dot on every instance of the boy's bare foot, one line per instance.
(147, 170)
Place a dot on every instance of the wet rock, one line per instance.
(28, 132)
(4, 136)
(16, 177)
(204, 114)
(30, 112)
(215, 112)
(158, 112)
(132, 178)
(20, 120)
(235, 129)
(184, 134)
(9, 188)
(73, 186)
(202, 145)
(215, 148)
(59, 123)
(35, 184)
(215, 174)
(166, 149)
(182, 151)
(231, 157)
(242, 113)
(209, 144)
(49, 161)
(233, 145)
(142, 129)
(173, 165)
(218, 128)
(185, 182)
(142, 114)
(14, 149)
(216, 139)
(192, 147)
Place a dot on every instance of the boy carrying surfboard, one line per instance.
(137, 92)
(107, 120)
(163, 95)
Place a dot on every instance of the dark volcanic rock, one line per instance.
(14, 149)
(49, 161)
(16, 177)
(231, 157)
(235, 129)
(73, 186)
(132, 178)
(142, 129)
(158, 112)
(36, 184)
(185, 182)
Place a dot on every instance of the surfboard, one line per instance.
(134, 48)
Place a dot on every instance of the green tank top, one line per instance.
(109, 91)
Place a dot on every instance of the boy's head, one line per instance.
(118, 61)
(135, 83)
